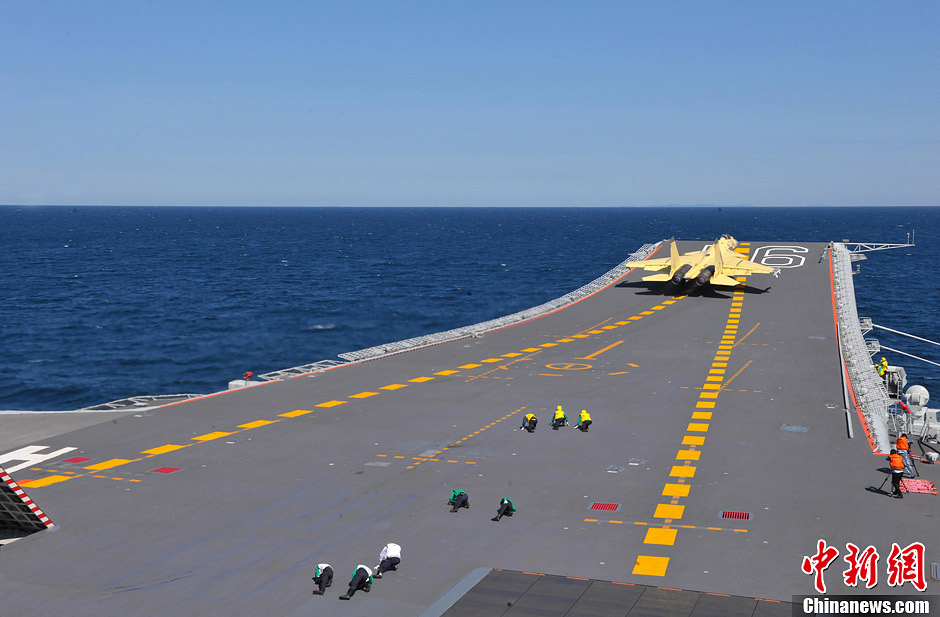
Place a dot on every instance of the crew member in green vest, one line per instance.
(458, 499)
(361, 579)
(323, 578)
(505, 508)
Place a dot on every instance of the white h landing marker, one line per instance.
(32, 456)
(17, 516)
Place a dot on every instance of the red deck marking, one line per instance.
(76, 459)
(165, 469)
(607, 507)
(740, 516)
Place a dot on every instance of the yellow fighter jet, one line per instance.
(716, 265)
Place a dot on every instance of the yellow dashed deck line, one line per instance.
(491, 360)
(115, 462)
(609, 327)
(396, 386)
(634, 318)
(331, 404)
(206, 437)
(701, 415)
(531, 349)
(644, 313)
(447, 372)
(581, 335)
(468, 366)
(164, 449)
(699, 427)
(290, 414)
(693, 440)
(621, 323)
(420, 379)
(363, 395)
(548, 345)
(705, 405)
(688, 455)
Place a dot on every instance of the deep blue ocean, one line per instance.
(100, 303)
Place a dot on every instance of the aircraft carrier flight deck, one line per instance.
(718, 456)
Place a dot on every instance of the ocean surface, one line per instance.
(100, 303)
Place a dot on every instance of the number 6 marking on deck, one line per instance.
(780, 256)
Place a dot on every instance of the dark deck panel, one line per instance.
(554, 595)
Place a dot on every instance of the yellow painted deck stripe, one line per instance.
(531, 349)
(45, 481)
(257, 423)
(423, 379)
(688, 455)
(701, 415)
(115, 462)
(206, 437)
(331, 404)
(658, 535)
(682, 471)
(708, 395)
(449, 372)
(163, 449)
(693, 440)
(290, 414)
(698, 427)
(364, 395)
(668, 510)
(396, 386)
(650, 565)
(676, 490)
(491, 360)
(705, 405)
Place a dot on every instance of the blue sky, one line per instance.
(470, 103)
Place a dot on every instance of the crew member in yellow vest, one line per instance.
(584, 421)
(560, 419)
(529, 422)
(897, 472)
(882, 367)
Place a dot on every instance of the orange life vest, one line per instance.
(896, 461)
(903, 444)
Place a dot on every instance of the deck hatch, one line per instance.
(738, 516)
(606, 507)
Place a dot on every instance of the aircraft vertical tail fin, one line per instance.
(673, 257)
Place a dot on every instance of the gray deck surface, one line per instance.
(238, 529)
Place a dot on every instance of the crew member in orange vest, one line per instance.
(904, 449)
(897, 471)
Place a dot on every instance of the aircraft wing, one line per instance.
(732, 265)
(669, 262)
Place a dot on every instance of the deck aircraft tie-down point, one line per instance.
(717, 264)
